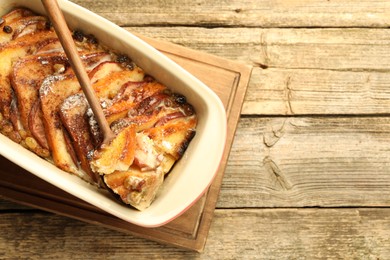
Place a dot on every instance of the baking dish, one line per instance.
(190, 177)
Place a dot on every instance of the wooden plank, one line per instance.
(307, 162)
(300, 234)
(354, 233)
(244, 13)
(337, 49)
(321, 92)
(334, 49)
(340, 71)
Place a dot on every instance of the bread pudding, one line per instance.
(43, 108)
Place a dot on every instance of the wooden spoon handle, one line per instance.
(57, 18)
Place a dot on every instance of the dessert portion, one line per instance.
(43, 108)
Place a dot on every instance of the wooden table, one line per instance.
(308, 174)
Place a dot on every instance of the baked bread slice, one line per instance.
(11, 24)
(118, 155)
(111, 84)
(53, 91)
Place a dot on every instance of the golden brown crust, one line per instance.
(174, 136)
(27, 76)
(118, 155)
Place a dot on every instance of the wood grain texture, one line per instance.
(236, 234)
(244, 13)
(300, 71)
(320, 48)
(314, 133)
(308, 161)
(320, 92)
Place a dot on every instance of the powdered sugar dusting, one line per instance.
(93, 124)
(74, 101)
(46, 88)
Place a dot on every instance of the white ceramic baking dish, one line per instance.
(190, 177)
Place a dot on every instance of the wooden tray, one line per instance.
(229, 80)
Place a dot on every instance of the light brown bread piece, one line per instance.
(15, 20)
(54, 90)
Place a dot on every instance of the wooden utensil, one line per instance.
(57, 18)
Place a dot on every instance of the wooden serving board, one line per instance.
(229, 80)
